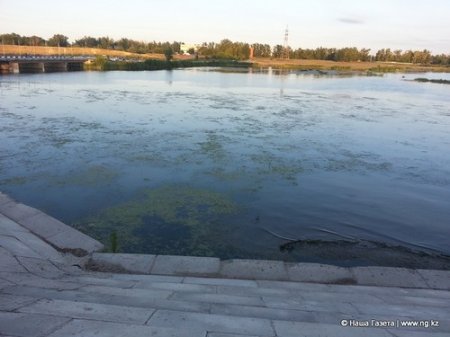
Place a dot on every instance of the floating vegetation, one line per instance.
(356, 164)
(15, 181)
(270, 164)
(426, 80)
(166, 220)
(213, 148)
(92, 176)
(222, 174)
(351, 161)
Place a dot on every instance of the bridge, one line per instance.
(40, 63)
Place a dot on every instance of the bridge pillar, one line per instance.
(31, 67)
(14, 67)
(4, 68)
(75, 66)
(50, 67)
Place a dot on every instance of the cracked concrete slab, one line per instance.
(306, 329)
(9, 263)
(83, 328)
(13, 302)
(10, 227)
(5, 198)
(254, 269)
(17, 212)
(29, 325)
(184, 265)
(92, 311)
(39, 266)
(211, 322)
(16, 247)
(388, 277)
(133, 263)
(436, 279)
(319, 273)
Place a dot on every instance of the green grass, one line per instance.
(153, 64)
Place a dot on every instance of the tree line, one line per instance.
(227, 49)
(105, 42)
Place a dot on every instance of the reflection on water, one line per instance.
(206, 162)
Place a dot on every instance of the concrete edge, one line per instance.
(66, 239)
(269, 270)
(60, 236)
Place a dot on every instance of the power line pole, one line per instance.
(285, 53)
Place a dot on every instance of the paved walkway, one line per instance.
(46, 291)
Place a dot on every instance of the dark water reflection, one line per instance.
(210, 163)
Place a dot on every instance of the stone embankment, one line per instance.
(54, 281)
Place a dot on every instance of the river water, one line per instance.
(221, 163)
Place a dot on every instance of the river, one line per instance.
(224, 163)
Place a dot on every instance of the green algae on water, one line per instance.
(15, 181)
(166, 220)
(92, 176)
(213, 148)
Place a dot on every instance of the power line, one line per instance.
(285, 53)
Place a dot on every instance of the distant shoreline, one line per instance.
(376, 67)
(134, 61)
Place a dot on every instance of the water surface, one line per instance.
(215, 163)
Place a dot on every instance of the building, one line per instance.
(186, 47)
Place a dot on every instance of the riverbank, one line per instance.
(376, 67)
(46, 291)
(133, 61)
(103, 64)
(44, 237)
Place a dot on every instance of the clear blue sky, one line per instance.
(398, 24)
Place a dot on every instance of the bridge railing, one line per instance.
(10, 57)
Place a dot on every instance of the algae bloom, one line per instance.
(169, 219)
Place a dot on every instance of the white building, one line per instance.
(186, 47)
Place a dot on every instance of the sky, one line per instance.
(374, 24)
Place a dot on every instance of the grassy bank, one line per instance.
(104, 64)
(157, 61)
(382, 67)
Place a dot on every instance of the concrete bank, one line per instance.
(68, 240)
(46, 290)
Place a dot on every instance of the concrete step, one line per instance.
(93, 311)
(84, 328)
(62, 237)
(29, 325)
(212, 323)
(271, 270)
(203, 291)
(131, 301)
(273, 308)
(38, 325)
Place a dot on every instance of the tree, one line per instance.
(122, 44)
(423, 56)
(168, 53)
(277, 51)
(12, 38)
(87, 41)
(58, 40)
(36, 41)
(106, 42)
(261, 50)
